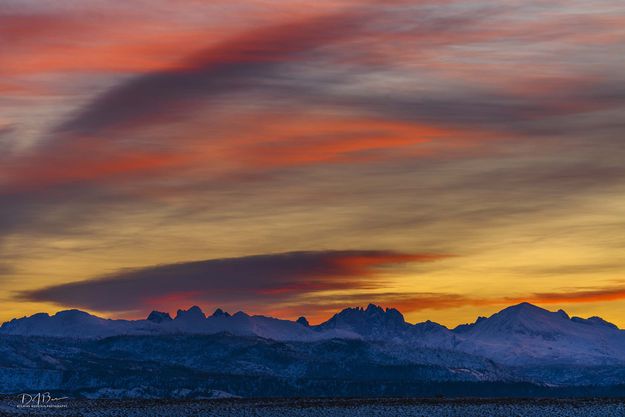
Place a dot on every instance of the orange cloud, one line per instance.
(255, 146)
(36, 44)
(323, 307)
(86, 162)
(577, 296)
(106, 41)
(278, 141)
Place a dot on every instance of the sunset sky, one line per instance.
(447, 158)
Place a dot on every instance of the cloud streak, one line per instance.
(254, 280)
(580, 296)
(238, 64)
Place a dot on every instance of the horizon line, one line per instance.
(358, 307)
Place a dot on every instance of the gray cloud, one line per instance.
(248, 280)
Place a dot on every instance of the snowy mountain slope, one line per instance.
(75, 323)
(372, 323)
(166, 365)
(187, 361)
(375, 323)
(525, 334)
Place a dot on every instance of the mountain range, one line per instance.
(518, 335)
(373, 350)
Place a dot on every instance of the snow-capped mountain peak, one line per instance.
(525, 333)
(373, 323)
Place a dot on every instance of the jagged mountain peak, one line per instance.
(374, 322)
(159, 317)
(193, 313)
(563, 314)
(220, 313)
(372, 310)
(596, 321)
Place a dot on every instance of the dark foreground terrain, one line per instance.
(325, 407)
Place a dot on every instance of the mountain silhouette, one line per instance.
(523, 334)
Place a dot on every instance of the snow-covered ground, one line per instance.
(331, 408)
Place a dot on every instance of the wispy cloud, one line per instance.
(487, 130)
(575, 296)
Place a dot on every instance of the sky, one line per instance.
(447, 158)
